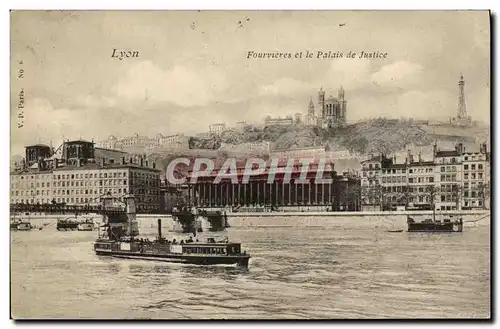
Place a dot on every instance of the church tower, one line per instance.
(342, 104)
(321, 102)
(311, 107)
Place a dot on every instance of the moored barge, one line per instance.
(20, 225)
(75, 224)
(432, 225)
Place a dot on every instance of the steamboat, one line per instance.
(115, 243)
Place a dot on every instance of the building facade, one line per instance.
(476, 179)
(342, 194)
(137, 143)
(217, 128)
(279, 121)
(446, 182)
(298, 118)
(86, 180)
(312, 152)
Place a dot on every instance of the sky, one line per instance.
(192, 69)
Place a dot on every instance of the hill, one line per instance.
(369, 136)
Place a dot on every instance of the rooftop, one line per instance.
(447, 153)
(92, 166)
(421, 163)
(78, 141)
(38, 145)
(106, 166)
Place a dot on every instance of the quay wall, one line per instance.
(395, 219)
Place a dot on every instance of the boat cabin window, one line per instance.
(205, 250)
(103, 245)
(234, 250)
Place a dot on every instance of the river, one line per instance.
(339, 272)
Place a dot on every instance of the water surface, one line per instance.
(298, 273)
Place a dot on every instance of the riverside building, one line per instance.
(453, 180)
(78, 179)
(342, 194)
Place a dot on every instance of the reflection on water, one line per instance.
(343, 272)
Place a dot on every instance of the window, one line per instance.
(466, 167)
(410, 171)
(480, 175)
(466, 176)
(473, 167)
(480, 166)
(431, 179)
(443, 169)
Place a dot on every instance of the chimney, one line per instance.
(419, 156)
(434, 148)
(147, 163)
(142, 162)
(154, 165)
(409, 156)
(103, 162)
(123, 160)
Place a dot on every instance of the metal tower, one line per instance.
(462, 110)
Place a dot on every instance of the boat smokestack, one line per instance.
(159, 228)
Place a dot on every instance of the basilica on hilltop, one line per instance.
(332, 111)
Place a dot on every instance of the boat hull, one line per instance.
(241, 261)
(434, 227)
(67, 226)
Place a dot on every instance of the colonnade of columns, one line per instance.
(261, 193)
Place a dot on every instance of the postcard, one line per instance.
(210, 165)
